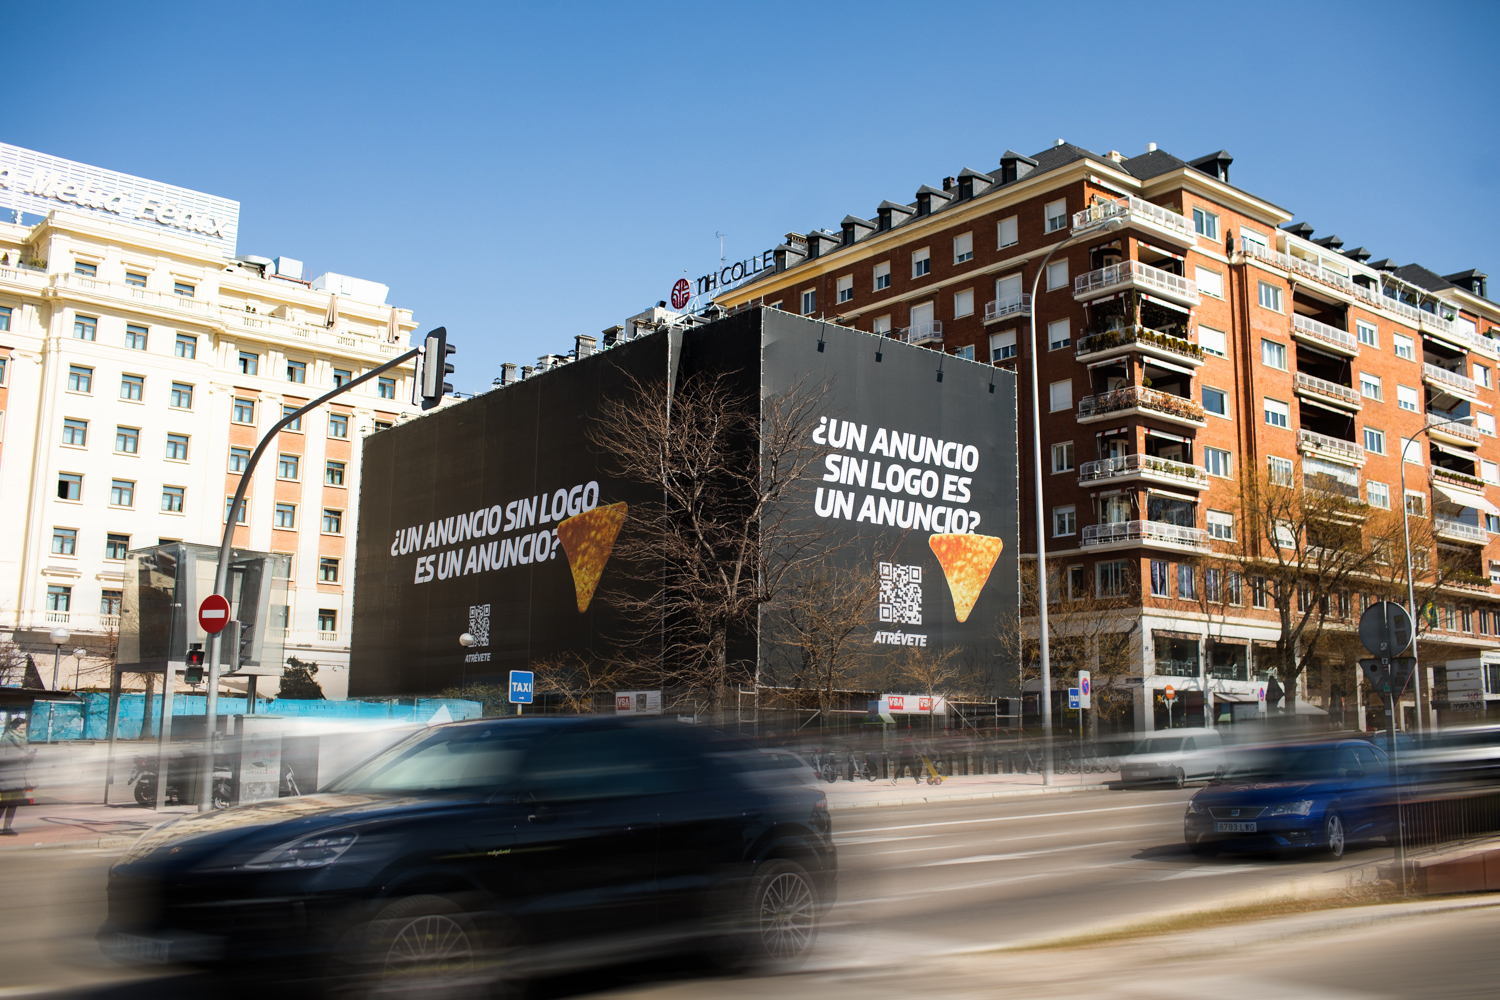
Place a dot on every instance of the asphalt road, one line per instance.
(918, 885)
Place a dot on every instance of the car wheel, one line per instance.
(425, 944)
(1178, 778)
(783, 912)
(1334, 837)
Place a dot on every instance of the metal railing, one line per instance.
(1140, 396)
(1458, 478)
(1012, 305)
(1096, 342)
(1452, 380)
(1322, 332)
(1352, 450)
(1447, 527)
(1134, 272)
(1132, 206)
(1144, 531)
(1455, 429)
(1332, 390)
(919, 333)
(1129, 465)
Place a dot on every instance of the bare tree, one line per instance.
(577, 681)
(819, 615)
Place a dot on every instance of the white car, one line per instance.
(1172, 756)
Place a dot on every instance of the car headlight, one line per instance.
(309, 852)
(1301, 808)
(1193, 808)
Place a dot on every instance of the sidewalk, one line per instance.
(860, 794)
(84, 825)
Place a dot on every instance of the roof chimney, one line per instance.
(1058, 142)
(1115, 155)
(583, 346)
(947, 183)
(507, 374)
(612, 335)
(1150, 147)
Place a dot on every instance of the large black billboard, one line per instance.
(496, 516)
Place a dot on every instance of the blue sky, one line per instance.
(526, 173)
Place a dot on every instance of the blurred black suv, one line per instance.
(486, 852)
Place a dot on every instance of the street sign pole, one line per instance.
(1387, 629)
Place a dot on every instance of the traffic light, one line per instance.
(229, 647)
(244, 655)
(435, 368)
(194, 672)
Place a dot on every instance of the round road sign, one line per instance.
(1169, 693)
(213, 614)
(1385, 629)
(680, 293)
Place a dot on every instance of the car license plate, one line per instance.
(130, 948)
(1234, 828)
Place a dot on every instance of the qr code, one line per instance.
(479, 624)
(901, 594)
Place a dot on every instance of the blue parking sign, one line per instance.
(520, 687)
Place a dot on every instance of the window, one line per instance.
(69, 486)
(921, 263)
(1059, 334)
(1002, 345)
(328, 570)
(85, 269)
(4, 317)
(1258, 591)
(1378, 495)
(1057, 275)
(183, 288)
(1404, 346)
(333, 473)
(1216, 401)
(333, 522)
(1369, 386)
(328, 620)
(116, 546)
(80, 378)
(1213, 341)
(85, 327)
(1269, 296)
(244, 411)
(1374, 440)
(1217, 461)
(1077, 581)
(338, 425)
(75, 432)
(1485, 422)
(1280, 470)
(881, 326)
(1368, 334)
(1286, 537)
(239, 459)
(1221, 525)
(963, 303)
(963, 248)
(127, 440)
(286, 468)
(1482, 375)
(177, 447)
(296, 371)
(1278, 414)
(64, 541)
(1492, 523)
(1061, 395)
(249, 363)
(1007, 232)
(809, 301)
(135, 279)
(1056, 214)
(1416, 504)
(182, 395)
(341, 377)
(1412, 455)
(966, 352)
(122, 492)
(171, 499)
(111, 601)
(59, 598)
(1232, 588)
(287, 410)
(243, 511)
(1273, 354)
(1161, 578)
(385, 388)
(1495, 578)
(3, 361)
(1064, 521)
(1489, 471)
(1209, 282)
(1113, 579)
(1205, 224)
(1187, 589)
(186, 347)
(1062, 457)
(286, 516)
(1407, 399)
(135, 337)
(882, 276)
(132, 387)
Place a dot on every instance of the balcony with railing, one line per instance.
(1012, 305)
(1441, 427)
(1147, 467)
(1449, 382)
(1137, 399)
(1152, 534)
(1323, 336)
(56, 617)
(1331, 449)
(1327, 392)
(1141, 215)
(23, 275)
(923, 334)
(1139, 338)
(1460, 479)
(1458, 531)
(1134, 274)
(82, 284)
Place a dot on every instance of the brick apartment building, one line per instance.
(1203, 335)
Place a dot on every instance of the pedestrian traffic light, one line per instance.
(435, 368)
(194, 672)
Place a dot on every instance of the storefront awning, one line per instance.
(1153, 432)
(1464, 498)
(1169, 366)
(1156, 492)
(1448, 449)
(1165, 304)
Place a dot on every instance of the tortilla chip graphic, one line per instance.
(967, 561)
(588, 539)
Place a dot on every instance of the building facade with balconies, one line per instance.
(1197, 334)
(138, 370)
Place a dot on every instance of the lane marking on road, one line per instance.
(1011, 819)
(1017, 855)
(1010, 840)
(1198, 872)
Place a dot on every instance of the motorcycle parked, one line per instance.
(143, 776)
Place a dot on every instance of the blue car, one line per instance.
(1309, 796)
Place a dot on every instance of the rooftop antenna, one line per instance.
(721, 245)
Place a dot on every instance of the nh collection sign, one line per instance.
(37, 183)
(731, 274)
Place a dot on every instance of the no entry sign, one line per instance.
(213, 614)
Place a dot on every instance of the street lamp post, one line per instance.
(78, 655)
(1108, 226)
(1411, 590)
(59, 637)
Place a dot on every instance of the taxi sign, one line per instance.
(521, 683)
(1072, 698)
